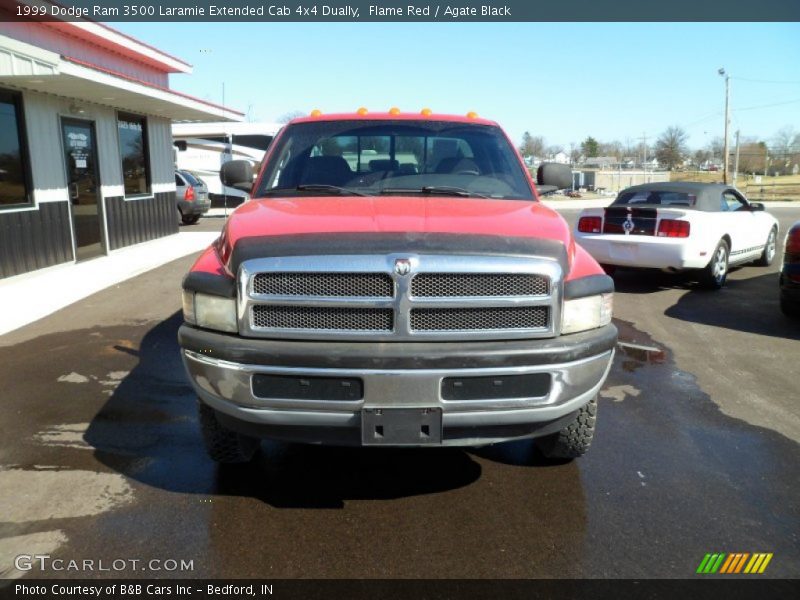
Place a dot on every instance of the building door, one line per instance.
(80, 153)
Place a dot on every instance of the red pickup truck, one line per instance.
(395, 281)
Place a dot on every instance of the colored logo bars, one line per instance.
(737, 562)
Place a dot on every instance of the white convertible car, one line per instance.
(679, 225)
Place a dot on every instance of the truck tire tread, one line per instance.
(223, 445)
(574, 440)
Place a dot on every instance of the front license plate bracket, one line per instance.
(401, 426)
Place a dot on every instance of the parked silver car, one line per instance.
(191, 196)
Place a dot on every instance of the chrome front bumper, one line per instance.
(227, 387)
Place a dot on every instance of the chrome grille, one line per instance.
(322, 318)
(367, 297)
(477, 319)
(453, 285)
(368, 285)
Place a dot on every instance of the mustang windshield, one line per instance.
(662, 197)
(394, 157)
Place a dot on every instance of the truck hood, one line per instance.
(349, 225)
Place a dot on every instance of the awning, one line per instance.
(31, 68)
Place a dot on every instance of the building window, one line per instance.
(133, 151)
(14, 183)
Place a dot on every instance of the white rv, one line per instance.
(203, 148)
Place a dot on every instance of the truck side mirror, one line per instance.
(237, 174)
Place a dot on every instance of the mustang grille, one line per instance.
(475, 319)
(370, 285)
(431, 285)
(323, 318)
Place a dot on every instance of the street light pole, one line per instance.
(727, 119)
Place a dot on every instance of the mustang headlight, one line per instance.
(591, 312)
(211, 312)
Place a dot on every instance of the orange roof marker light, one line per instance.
(394, 111)
(472, 115)
(426, 112)
(316, 113)
(362, 111)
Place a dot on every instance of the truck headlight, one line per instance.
(591, 312)
(211, 312)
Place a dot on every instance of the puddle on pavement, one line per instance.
(667, 472)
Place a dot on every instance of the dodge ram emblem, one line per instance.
(402, 266)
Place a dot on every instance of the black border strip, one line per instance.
(508, 11)
(699, 588)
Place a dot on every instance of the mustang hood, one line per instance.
(389, 224)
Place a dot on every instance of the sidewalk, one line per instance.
(29, 297)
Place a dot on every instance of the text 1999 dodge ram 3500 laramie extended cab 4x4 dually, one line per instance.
(395, 281)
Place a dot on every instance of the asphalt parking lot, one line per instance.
(696, 451)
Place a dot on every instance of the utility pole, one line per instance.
(727, 77)
(644, 160)
(736, 163)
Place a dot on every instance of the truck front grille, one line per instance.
(477, 319)
(321, 318)
(369, 297)
(453, 285)
(369, 285)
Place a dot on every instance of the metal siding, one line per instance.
(108, 146)
(39, 238)
(34, 239)
(43, 127)
(162, 160)
(62, 43)
(135, 221)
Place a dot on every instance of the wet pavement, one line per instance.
(102, 457)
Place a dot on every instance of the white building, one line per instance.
(86, 159)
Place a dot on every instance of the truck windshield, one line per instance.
(429, 158)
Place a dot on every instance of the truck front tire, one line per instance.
(224, 445)
(574, 440)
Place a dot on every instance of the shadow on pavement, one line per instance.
(749, 305)
(649, 281)
(148, 430)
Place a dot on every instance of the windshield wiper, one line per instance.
(324, 187)
(316, 187)
(444, 190)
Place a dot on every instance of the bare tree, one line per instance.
(531, 145)
(701, 156)
(611, 149)
(292, 114)
(671, 147)
(753, 156)
(574, 152)
(785, 148)
(785, 141)
(717, 147)
(630, 148)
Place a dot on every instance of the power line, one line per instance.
(766, 105)
(703, 120)
(766, 81)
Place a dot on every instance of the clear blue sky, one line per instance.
(560, 80)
